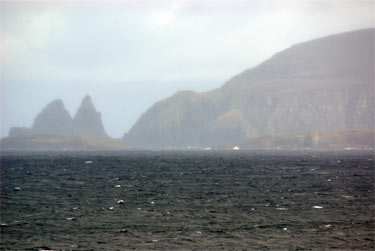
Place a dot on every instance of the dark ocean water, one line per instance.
(231, 200)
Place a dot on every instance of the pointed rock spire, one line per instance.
(54, 118)
(87, 121)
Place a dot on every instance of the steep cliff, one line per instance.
(324, 84)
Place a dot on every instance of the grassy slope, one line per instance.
(59, 142)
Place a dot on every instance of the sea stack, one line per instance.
(54, 118)
(87, 121)
(55, 130)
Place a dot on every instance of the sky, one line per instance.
(129, 54)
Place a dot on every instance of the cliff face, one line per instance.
(325, 84)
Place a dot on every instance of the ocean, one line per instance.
(187, 200)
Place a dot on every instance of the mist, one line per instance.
(130, 54)
(187, 124)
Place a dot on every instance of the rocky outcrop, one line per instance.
(55, 119)
(55, 130)
(87, 121)
(326, 84)
(19, 131)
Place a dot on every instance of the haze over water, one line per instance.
(129, 54)
(186, 124)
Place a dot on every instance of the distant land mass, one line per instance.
(326, 84)
(55, 129)
(345, 139)
(316, 94)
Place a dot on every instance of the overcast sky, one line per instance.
(129, 54)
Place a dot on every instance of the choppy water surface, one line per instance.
(187, 200)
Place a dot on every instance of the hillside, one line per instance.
(326, 84)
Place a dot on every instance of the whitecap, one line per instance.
(317, 207)
(347, 196)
